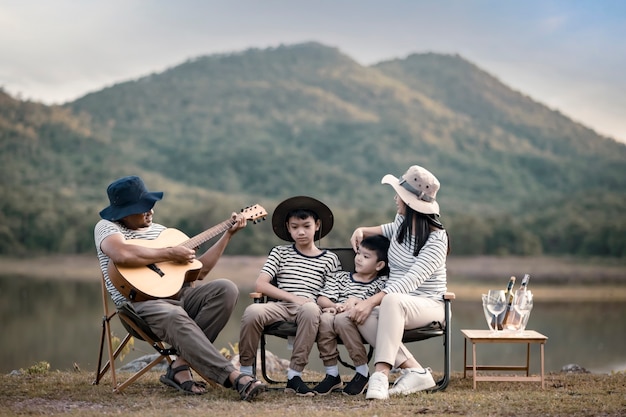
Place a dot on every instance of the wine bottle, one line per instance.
(509, 303)
(524, 285)
(515, 320)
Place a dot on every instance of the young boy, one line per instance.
(299, 270)
(337, 297)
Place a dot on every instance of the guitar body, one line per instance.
(144, 282)
(165, 279)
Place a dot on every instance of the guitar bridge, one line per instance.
(156, 269)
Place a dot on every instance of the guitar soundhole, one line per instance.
(156, 269)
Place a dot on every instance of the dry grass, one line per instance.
(71, 393)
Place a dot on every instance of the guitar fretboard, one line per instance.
(198, 240)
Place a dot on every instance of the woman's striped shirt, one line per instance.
(424, 274)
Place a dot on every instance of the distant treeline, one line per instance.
(219, 132)
(60, 226)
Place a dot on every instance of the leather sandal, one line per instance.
(249, 390)
(184, 387)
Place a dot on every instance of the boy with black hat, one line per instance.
(189, 321)
(300, 270)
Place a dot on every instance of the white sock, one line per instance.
(363, 370)
(332, 370)
(246, 369)
(291, 373)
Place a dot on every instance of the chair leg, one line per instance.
(264, 362)
(99, 374)
(266, 377)
(136, 375)
(442, 384)
(106, 337)
(113, 355)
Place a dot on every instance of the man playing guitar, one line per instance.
(191, 319)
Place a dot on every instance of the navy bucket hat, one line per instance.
(128, 195)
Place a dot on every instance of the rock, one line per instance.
(140, 363)
(274, 364)
(573, 368)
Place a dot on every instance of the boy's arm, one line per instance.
(325, 302)
(264, 285)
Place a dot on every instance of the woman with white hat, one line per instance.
(413, 296)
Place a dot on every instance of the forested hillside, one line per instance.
(222, 131)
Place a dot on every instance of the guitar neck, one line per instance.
(199, 239)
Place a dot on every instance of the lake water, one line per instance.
(60, 322)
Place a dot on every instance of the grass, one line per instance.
(72, 393)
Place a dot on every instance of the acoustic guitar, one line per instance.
(165, 279)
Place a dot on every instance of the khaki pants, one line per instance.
(340, 325)
(396, 313)
(192, 323)
(257, 316)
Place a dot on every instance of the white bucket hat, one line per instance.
(417, 188)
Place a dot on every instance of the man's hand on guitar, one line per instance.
(181, 254)
(241, 222)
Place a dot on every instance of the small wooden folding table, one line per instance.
(487, 336)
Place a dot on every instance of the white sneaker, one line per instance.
(378, 388)
(412, 380)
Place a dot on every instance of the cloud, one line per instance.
(58, 51)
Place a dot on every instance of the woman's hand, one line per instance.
(361, 232)
(357, 237)
(361, 311)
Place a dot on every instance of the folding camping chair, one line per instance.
(137, 328)
(284, 329)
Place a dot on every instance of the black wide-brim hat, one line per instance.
(279, 217)
(128, 195)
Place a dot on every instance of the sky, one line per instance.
(567, 54)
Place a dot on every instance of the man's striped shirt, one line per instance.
(104, 229)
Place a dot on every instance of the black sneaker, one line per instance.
(328, 384)
(357, 385)
(297, 386)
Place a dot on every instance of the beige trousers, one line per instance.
(340, 325)
(384, 328)
(257, 316)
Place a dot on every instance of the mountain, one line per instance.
(263, 125)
